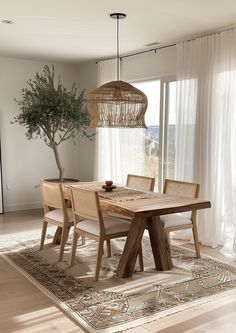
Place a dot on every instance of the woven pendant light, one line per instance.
(117, 103)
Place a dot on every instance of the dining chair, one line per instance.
(178, 221)
(55, 212)
(142, 183)
(90, 222)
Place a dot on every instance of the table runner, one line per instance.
(119, 194)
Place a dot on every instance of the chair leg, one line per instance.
(73, 248)
(43, 234)
(196, 241)
(83, 239)
(108, 247)
(195, 233)
(168, 237)
(99, 259)
(64, 236)
(67, 232)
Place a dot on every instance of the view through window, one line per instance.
(159, 137)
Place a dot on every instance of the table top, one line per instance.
(136, 203)
(161, 205)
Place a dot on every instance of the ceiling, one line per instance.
(75, 31)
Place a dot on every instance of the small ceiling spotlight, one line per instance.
(7, 22)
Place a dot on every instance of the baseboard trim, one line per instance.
(23, 206)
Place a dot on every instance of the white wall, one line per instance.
(87, 79)
(24, 162)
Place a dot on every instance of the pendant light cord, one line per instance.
(117, 16)
(117, 48)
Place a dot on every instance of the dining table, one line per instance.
(144, 209)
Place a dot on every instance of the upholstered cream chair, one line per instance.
(55, 212)
(174, 222)
(90, 222)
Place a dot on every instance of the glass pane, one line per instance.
(152, 133)
(171, 116)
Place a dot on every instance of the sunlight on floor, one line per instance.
(37, 317)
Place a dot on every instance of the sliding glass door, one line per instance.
(147, 152)
(151, 135)
(159, 137)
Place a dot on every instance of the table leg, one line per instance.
(160, 245)
(132, 245)
(57, 235)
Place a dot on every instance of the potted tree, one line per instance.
(51, 112)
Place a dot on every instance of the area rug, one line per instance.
(113, 304)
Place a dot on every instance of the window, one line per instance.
(159, 137)
(148, 152)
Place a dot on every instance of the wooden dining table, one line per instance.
(144, 208)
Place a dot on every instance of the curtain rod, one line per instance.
(175, 43)
(141, 52)
(146, 51)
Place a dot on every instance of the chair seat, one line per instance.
(112, 225)
(57, 215)
(172, 220)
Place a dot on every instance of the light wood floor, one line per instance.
(24, 308)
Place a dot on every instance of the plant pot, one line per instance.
(65, 180)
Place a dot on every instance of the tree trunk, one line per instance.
(58, 162)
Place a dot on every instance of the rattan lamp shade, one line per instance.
(117, 104)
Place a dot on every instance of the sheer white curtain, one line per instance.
(1, 194)
(206, 131)
(107, 162)
(118, 151)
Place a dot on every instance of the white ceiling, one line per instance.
(74, 30)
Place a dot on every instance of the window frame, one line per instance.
(163, 121)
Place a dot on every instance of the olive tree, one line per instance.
(51, 112)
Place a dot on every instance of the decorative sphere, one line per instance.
(109, 182)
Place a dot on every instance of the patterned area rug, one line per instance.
(113, 304)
